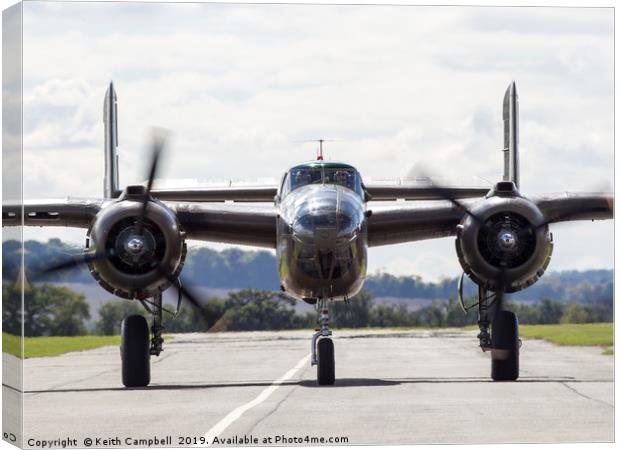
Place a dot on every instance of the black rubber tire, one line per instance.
(135, 351)
(505, 339)
(326, 367)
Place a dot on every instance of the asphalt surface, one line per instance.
(391, 388)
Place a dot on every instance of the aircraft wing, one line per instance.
(381, 192)
(255, 225)
(66, 212)
(242, 224)
(575, 206)
(420, 220)
(217, 194)
(412, 221)
(378, 192)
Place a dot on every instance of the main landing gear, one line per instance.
(135, 357)
(503, 342)
(137, 346)
(323, 347)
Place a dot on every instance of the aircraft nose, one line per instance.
(324, 230)
(327, 226)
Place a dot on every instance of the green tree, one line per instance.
(191, 320)
(527, 314)
(432, 316)
(11, 309)
(550, 311)
(391, 316)
(69, 310)
(254, 309)
(48, 310)
(455, 317)
(576, 314)
(354, 313)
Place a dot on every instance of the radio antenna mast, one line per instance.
(319, 157)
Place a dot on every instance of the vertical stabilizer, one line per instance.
(511, 135)
(110, 125)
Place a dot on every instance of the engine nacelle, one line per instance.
(509, 248)
(143, 264)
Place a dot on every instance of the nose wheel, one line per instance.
(323, 348)
(326, 365)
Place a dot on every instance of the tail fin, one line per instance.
(110, 125)
(511, 135)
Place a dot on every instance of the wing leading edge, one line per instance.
(416, 221)
(267, 194)
(421, 192)
(255, 225)
(217, 194)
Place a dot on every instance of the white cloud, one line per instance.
(238, 84)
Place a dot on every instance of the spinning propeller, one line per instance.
(502, 241)
(135, 247)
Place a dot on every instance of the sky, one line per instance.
(400, 89)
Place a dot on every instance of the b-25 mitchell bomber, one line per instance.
(320, 220)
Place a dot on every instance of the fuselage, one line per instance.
(321, 233)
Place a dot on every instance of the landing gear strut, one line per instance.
(503, 341)
(483, 319)
(323, 347)
(157, 341)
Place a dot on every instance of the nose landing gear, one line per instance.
(323, 348)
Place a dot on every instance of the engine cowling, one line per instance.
(140, 264)
(504, 244)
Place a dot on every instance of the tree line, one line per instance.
(220, 269)
(58, 311)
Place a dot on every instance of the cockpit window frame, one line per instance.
(324, 167)
(284, 185)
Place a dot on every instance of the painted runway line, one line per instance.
(236, 413)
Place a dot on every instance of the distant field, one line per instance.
(596, 334)
(55, 345)
(588, 334)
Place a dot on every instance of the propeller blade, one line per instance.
(181, 289)
(159, 140)
(75, 262)
(447, 195)
(189, 297)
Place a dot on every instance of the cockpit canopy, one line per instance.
(322, 172)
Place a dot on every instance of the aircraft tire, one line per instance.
(326, 367)
(135, 351)
(505, 352)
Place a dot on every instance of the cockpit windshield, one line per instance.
(304, 175)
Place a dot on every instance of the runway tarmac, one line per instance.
(391, 387)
